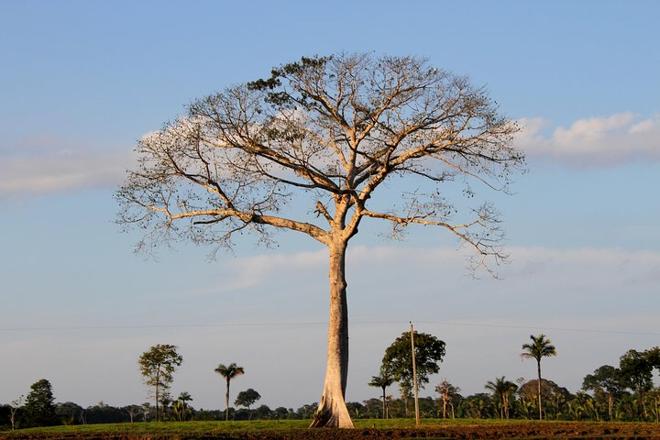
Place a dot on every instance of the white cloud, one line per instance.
(609, 140)
(46, 165)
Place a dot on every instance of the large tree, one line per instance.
(228, 372)
(40, 404)
(539, 348)
(157, 366)
(330, 132)
(397, 361)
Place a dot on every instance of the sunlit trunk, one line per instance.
(332, 411)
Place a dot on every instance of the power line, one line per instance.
(322, 323)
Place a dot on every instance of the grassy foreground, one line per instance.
(365, 429)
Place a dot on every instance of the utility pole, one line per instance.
(414, 366)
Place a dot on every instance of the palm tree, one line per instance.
(539, 348)
(228, 372)
(502, 390)
(382, 381)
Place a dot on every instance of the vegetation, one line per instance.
(538, 349)
(39, 409)
(382, 381)
(228, 372)
(610, 393)
(157, 366)
(247, 398)
(502, 390)
(397, 361)
(332, 132)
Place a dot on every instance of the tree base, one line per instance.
(332, 415)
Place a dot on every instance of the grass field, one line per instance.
(365, 429)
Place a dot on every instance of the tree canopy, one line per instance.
(429, 352)
(247, 398)
(157, 366)
(40, 404)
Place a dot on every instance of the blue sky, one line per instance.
(81, 81)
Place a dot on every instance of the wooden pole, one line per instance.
(414, 367)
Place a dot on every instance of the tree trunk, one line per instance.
(227, 402)
(157, 397)
(332, 411)
(538, 364)
(610, 404)
(384, 404)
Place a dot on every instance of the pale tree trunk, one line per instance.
(610, 404)
(332, 411)
(538, 364)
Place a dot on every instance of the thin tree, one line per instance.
(329, 132)
(14, 407)
(382, 381)
(447, 392)
(502, 390)
(157, 366)
(539, 348)
(228, 372)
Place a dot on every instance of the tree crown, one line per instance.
(229, 371)
(540, 347)
(331, 130)
(397, 361)
(159, 363)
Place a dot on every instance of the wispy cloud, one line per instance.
(597, 141)
(47, 165)
(591, 268)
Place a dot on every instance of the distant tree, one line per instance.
(228, 372)
(14, 408)
(448, 393)
(608, 381)
(539, 348)
(502, 390)
(382, 381)
(247, 398)
(477, 406)
(637, 373)
(397, 361)
(157, 366)
(133, 411)
(69, 413)
(180, 406)
(39, 404)
(330, 131)
(146, 411)
(556, 397)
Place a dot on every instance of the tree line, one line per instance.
(624, 392)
